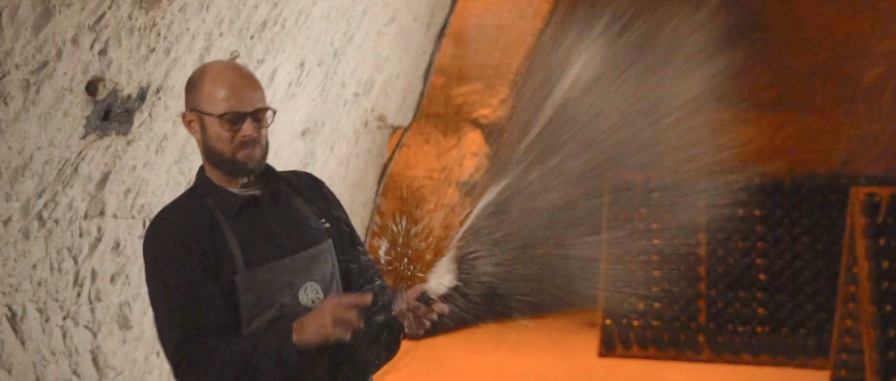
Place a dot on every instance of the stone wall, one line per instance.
(444, 151)
(819, 81)
(83, 167)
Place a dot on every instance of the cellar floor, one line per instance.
(560, 348)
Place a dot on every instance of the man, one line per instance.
(257, 274)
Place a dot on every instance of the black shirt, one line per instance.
(190, 272)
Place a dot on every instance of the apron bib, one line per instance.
(292, 286)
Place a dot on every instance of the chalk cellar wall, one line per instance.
(84, 168)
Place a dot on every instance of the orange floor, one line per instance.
(558, 348)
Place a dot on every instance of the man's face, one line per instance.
(235, 157)
(238, 149)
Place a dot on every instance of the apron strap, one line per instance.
(231, 238)
(305, 209)
(234, 245)
(309, 210)
(318, 219)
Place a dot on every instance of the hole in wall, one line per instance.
(93, 86)
(113, 113)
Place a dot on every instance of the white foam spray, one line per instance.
(613, 90)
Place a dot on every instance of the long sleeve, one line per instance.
(199, 343)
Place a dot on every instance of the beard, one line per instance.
(230, 165)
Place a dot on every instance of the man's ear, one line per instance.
(191, 123)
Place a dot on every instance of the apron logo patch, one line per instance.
(311, 295)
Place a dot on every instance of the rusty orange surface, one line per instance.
(819, 77)
(445, 149)
(817, 107)
(562, 348)
(486, 44)
(819, 86)
(422, 202)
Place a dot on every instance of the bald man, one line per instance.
(259, 274)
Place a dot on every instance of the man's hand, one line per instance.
(333, 320)
(416, 316)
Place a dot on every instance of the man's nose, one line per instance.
(249, 128)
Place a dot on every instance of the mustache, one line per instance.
(248, 144)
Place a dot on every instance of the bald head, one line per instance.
(215, 94)
(215, 80)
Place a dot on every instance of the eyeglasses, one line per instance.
(263, 117)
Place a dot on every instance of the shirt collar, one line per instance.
(227, 201)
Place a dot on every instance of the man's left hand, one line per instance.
(418, 317)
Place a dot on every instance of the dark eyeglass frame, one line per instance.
(235, 119)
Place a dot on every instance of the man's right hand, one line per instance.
(333, 320)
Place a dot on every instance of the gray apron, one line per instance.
(292, 286)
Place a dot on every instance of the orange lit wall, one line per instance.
(818, 80)
(819, 83)
(820, 77)
(445, 149)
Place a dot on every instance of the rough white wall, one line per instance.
(73, 303)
